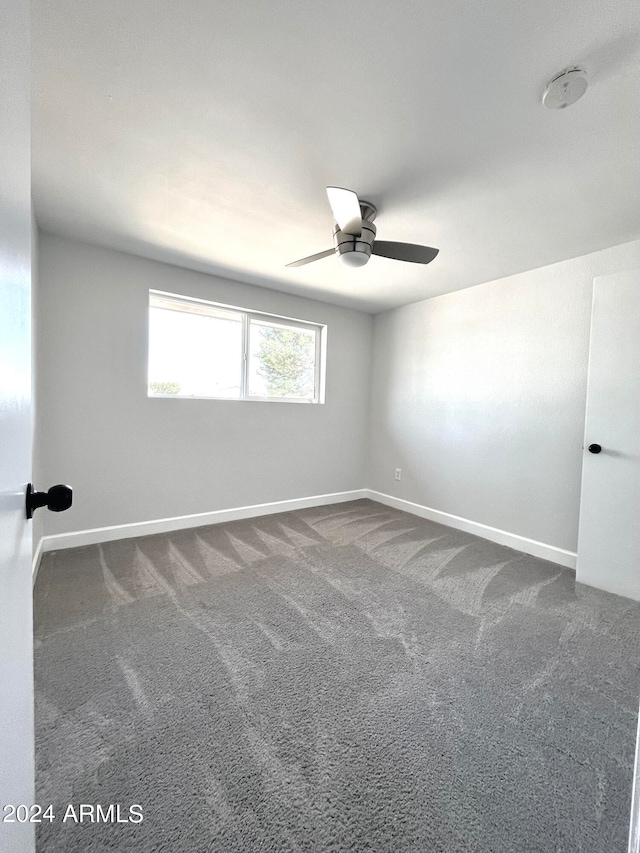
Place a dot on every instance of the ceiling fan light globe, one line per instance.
(354, 259)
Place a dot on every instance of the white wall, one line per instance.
(130, 458)
(479, 397)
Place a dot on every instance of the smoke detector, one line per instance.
(565, 89)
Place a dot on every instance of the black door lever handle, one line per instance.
(594, 448)
(57, 499)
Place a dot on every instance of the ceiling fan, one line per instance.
(354, 235)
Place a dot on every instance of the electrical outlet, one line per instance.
(398, 473)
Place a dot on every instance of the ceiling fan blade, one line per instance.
(312, 258)
(404, 251)
(346, 210)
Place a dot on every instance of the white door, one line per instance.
(609, 535)
(16, 643)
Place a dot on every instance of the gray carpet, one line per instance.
(343, 678)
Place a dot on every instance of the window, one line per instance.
(200, 349)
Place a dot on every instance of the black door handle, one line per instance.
(57, 499)
(594, 448)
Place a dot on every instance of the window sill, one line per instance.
(237, 399)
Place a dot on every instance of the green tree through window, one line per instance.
(287, 362)
(165, 387)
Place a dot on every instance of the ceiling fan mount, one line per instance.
(354, 235)
(368, 211)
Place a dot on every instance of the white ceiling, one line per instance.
(204, 132)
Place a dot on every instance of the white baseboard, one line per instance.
(502, 537)
(165, 525)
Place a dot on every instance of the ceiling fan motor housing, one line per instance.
(355, 251)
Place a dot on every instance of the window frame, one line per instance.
(246, 315)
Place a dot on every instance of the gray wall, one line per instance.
(130, 458)
(479, 397)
